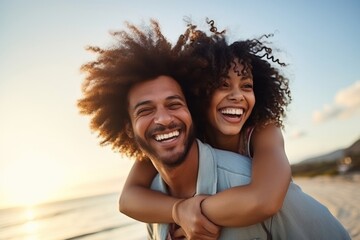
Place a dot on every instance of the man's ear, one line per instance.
(129, 130)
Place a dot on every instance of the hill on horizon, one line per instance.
(336, 162)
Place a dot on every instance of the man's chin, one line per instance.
(173, 159)
(168, 155)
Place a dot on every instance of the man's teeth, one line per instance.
(162, 137)
(232, 111)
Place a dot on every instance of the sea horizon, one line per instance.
(91, 217)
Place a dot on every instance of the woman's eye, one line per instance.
(248, 86)
(224, 85)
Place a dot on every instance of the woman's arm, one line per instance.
(139, 202)
(264, 196)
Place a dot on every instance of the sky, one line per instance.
(47, 150)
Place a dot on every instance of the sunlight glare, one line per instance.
(32, 181)
(30, 214)
(31, 227)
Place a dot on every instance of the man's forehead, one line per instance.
(162, 88)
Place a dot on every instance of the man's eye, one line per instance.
(143, 112)
(175, 106)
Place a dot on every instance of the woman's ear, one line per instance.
(129, 130)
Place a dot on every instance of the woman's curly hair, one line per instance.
(211, 57)
(138, 55)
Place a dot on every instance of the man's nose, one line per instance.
(163, 117)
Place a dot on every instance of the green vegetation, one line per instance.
(329, 168)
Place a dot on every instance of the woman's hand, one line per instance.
(194, 225)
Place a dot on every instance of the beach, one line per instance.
(97, 217)
(340, 194)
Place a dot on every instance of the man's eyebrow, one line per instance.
(141, 103)
(174, 97)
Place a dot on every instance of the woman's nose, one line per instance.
(236, 95)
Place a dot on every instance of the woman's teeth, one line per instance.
(232, 111)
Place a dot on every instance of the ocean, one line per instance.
(89, 218)
(97, 217)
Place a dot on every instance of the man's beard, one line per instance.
(172, 161)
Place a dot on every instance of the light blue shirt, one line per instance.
(301, 216)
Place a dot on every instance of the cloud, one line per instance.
(346, 103)
(296, 134)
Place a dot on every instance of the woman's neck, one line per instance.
(224, 142)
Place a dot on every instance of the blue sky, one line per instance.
(43, 139)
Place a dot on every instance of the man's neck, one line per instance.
(181, 180)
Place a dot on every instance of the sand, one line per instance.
(341, 194)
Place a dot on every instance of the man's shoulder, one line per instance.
(226, 159)
(231, 161)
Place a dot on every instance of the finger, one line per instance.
(207, 224)
(210, 227)
(179, 233)
(204, 237)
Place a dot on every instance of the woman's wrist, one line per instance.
(175, 211)
(201, 207)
